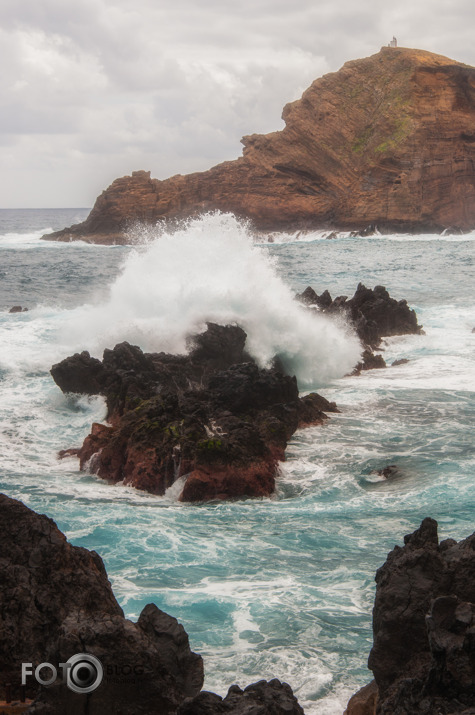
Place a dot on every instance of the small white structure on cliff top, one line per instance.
(393, 42)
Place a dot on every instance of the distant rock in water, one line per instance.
(18, 309)
(56, 602)
(213, 416)
(373, 314)
(423, 655)
(387, 141)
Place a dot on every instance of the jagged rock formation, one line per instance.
(212, 415)
(272, 698)
(374, 316)
(56, 601)
(423, 655)
(373, 313)
(387, 140)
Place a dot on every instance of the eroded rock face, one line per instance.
(386, 141)
(56, 601)
(212, 415)
(423, 656)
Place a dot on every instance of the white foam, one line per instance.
(211, 270)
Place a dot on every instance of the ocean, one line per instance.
(280, 587)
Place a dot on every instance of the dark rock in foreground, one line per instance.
(272, 698)
(212, 415)
(56, 601)
(423, 656)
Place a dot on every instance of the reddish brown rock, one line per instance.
(213, 416)
(364, 701)
(386, 141)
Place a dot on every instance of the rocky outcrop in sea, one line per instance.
(386, 141)
(374, 316)
(212, 415)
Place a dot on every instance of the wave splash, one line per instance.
(211, 270)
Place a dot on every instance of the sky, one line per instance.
(92, 90)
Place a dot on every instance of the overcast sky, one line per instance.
(92, 90)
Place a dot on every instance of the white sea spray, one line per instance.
(211, 270)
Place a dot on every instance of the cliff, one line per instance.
(387, 140)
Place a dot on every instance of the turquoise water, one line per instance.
(279, 587)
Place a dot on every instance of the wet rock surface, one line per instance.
(372, 311)
(374, 316)
(213, 416)
(56, 601)
(423, 655)
(262, 698)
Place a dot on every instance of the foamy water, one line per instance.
(279, 587)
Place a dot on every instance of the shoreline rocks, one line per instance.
(423, 655)
(56, 602)
(213, 416)
(386, 144)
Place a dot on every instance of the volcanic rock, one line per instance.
(364, 701)
(370, 361)
(56, 602)
(401, 361)
(262, 698)
(213, 416)
(373, 314)
(387, 142)
(423, 655)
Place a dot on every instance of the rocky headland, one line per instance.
(56, 602)
(386, 141)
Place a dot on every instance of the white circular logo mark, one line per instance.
(85, 673)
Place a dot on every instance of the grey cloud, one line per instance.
(113, 86)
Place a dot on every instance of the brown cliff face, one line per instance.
(387, 140)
